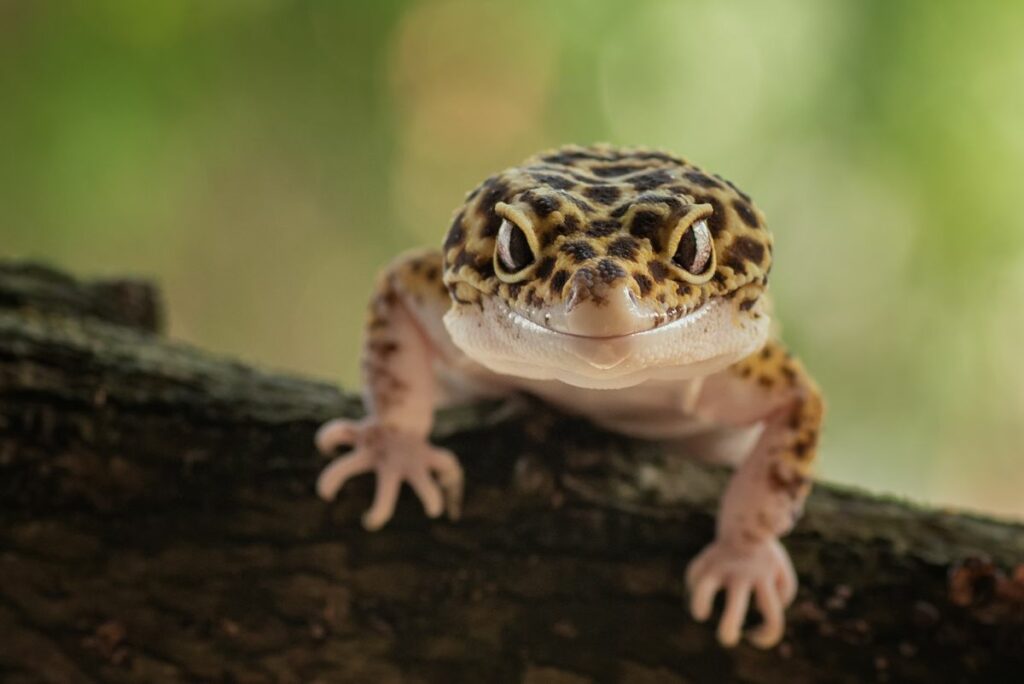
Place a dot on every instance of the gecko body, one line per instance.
(625, 285)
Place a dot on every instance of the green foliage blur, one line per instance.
(263, 158)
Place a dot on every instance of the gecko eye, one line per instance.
(514, 251)
(693, 252)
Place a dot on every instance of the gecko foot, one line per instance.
(396, 457)
(762, 569)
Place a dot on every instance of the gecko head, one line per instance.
(604, 267)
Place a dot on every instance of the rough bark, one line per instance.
(31, 287)
(159, 525)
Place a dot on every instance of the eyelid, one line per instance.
(517, 216)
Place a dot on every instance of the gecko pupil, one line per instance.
(519, 252)
(686, 252)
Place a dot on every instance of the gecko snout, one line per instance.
(603, 304)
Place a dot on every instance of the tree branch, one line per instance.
(159, 525)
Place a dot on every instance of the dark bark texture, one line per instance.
(159, 524)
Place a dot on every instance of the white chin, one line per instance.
(700, 343)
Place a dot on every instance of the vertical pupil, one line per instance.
(686, 252)
(518, 249)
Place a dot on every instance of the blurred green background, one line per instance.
(263, 158)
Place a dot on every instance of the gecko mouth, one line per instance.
(658, 323)
(604, 353)
(696, 343)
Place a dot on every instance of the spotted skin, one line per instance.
(605, 311)
(613, 211)
(777, 372)
(797, 414)
(414, 281)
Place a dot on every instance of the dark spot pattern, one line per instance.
(579, 175)
(580, 203)
(704, 181)
(496, 191)
(651, 180)
(569, 225)
(554, 181)
(602, 194)
(645, 225)
(486, 269)
(615, 170)
(746, 213)
(464, 258)
(456, 234)
(657, 270)
(644, 282)
(621, 210)
(545, 267)
(738, 266)
(532, 299)
(609, 271)
(579, 251)
(543, 205)
(558, 280)
(673, 203)
(684, 289)
(624, 247)
(492, 226)
(602, 228)
(747, 249)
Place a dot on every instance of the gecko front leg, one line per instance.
(400, 393)
(765, 496)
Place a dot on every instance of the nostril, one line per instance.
(581, 288)
(573, 300)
